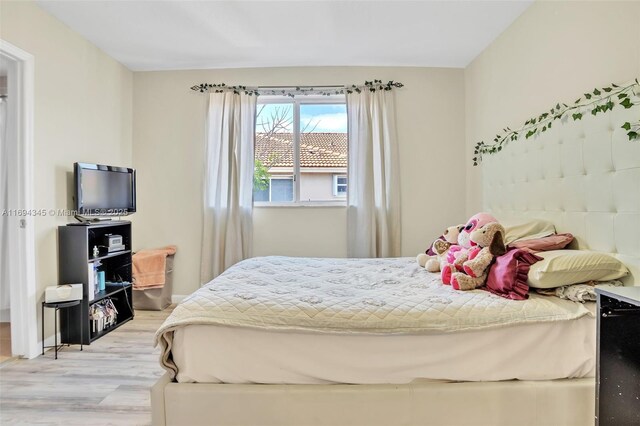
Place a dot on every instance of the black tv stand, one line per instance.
(75, 259)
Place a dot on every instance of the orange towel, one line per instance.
(149, 267)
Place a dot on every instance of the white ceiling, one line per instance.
(158, 35)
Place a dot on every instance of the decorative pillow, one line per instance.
(564, 267)
(552, 242)
(536, 228)
(508, 275)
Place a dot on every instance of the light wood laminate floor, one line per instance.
(106, 384)
(5, 341)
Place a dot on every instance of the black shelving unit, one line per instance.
(75, 254)
(618, 356)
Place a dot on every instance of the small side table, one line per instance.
(618, 356)
(57, 306)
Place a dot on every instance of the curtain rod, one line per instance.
(295, 86)
(293, 90)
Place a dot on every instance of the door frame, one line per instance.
(23, 289)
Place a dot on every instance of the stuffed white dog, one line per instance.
(440, 247)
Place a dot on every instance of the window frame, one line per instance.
(296, 102)
(279, 177)
(336, 193)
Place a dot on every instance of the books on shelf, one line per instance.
(91, 284)
(94, 279)
(103, 315)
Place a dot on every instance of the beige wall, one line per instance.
(83, 109)
(318, 186)
(552, 53)
(168, 137)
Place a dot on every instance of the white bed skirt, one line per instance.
(538, 351)
(511, 403)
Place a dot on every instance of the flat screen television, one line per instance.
(104, 190)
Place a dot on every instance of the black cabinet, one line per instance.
(76, 261)
(618, 361)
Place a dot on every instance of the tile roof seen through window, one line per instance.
(316, 149)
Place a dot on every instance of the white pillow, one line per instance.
(564, 267)
(536, 228)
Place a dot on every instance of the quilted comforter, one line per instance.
(350, 296)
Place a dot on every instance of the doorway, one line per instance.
(7, 115)
(17, 242)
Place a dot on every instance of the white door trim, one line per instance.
(24, 319)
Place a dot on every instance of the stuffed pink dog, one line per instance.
(457, 255)
(489, 243)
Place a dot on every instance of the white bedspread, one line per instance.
(377, 296)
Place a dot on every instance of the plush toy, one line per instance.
(458, 254)
(440, 248)
(488, 242)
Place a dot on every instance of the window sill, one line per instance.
(301, 204)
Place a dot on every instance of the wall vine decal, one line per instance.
(596, 102)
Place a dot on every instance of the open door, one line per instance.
(17, 241)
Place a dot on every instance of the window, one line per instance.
(301, 150)
(277, 189)
(339, 185)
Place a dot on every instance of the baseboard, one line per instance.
(177, 298)
(5, 315)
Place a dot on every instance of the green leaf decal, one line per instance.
(626, 103)
(600, 100)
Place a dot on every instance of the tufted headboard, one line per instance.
(583, 176)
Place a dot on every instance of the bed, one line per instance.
(310, 321)
(310, 371)
(290, 325)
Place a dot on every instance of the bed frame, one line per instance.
(584, 177)
(559, 402)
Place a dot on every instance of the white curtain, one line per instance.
(374, 184)
(228, 182)
(4, 198)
